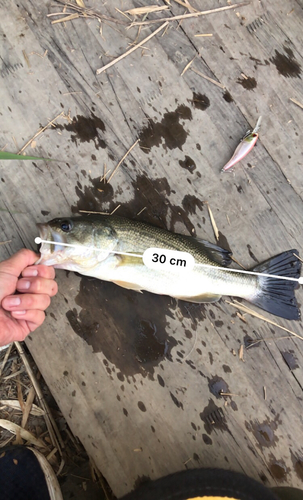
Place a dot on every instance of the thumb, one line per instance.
(15, 264)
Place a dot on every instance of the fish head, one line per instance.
(88, 242)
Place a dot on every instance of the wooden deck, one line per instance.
(138, 377)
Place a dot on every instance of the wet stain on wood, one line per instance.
(200, 101)
(169, 132)
(264, 432)
(248, 82)
(278, 470)
(217, 386)
(85, 129)
(190, 203)
(290, 360)
(135, 340)
(188, 164)
(286, 64)
(227, 96)
(176, 401)
(213, 418)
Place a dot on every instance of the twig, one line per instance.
(296, 102)
(100, 70)
(138, 11)
(139, 213)
(188, 65)
(4, 242)
(93, 212)
(208, 78)
(260, 316)
(40, 132)
(115, 209)
(53, 430)
(186, 5)
(186, 16)
(122, 160)
(91, 13)
(204, 34)
(213, 222)
(7, 354)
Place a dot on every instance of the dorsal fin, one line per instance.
(216, 253)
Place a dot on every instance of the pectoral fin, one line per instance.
(205, 297)
(128, 285)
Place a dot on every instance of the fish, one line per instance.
(245, 146)
(111, 248)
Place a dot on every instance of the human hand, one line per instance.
(22, 313)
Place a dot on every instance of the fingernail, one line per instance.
(18, 313)
(24, 285)
(13, 301)
(30, 272)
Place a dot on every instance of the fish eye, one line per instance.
(66, 225)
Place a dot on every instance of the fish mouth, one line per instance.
(50, 253)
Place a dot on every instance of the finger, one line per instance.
(15, 264)
(40, 270)
(37, 285)
(33, 318)
(25, 302)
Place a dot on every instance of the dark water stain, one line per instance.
(45, 212)
(169, 130)
(190, 203)
(161, 381)
(227, 96)
(258, 62)
(264, 432)
(234, 405)
(188, 164)
(147, 345)
(93, 197)
(298, 465)
(86, 129)
(135, 340)
(248, 82)
(217, 386)
(194, 312)
(141, 406)
(213, 418)
(290, 360)
(252, 255)
(200, 101)
(286, 64)
(226, 368)
(176, 401)
(223, 243)
(278, 470)
(250, 343)
(207, 440)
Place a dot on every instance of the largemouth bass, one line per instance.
(110, 248)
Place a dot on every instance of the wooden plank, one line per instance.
(138, 377)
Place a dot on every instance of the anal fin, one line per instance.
(128, 285)
(204, 297)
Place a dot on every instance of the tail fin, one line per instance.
(274, 295)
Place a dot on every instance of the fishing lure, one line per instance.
(245, 146)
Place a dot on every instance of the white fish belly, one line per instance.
(192, 283)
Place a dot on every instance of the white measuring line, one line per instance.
(38, 240)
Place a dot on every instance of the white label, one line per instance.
(163, 259)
